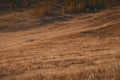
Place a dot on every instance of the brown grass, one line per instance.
(85, 47)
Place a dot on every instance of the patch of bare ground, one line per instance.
(86, 47)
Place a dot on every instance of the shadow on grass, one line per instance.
(40, 22)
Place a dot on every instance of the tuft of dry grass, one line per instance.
(100, 72)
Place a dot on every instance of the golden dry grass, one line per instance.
(86, 47)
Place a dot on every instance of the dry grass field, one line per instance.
(81, 47)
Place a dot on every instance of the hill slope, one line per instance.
(83, 47)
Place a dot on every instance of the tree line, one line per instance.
(45, 6)
(72, 6)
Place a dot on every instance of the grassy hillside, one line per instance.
(46, 41)
(85, 47)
